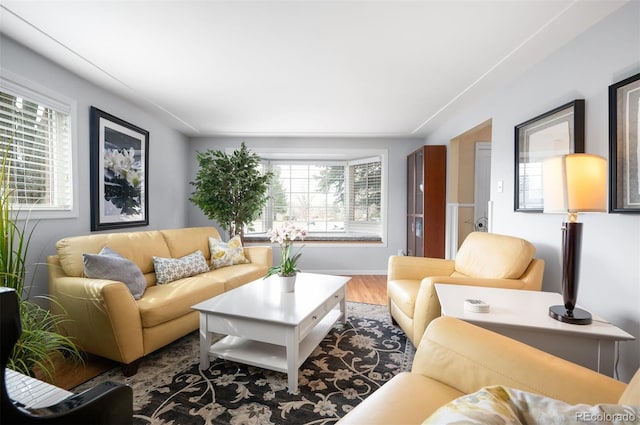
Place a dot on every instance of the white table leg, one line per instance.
(343, 307)
(205, 342)
(292, 359)
(606, 357)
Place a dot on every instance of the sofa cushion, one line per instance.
(139, 247)
(170, 269)
(239, 274)
(224, 254)
(162, 303)
(489, 255)
(499, 404)
(110, 265)
(185, 241)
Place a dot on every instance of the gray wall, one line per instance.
(610, 269)
(332, 258)
(167, 163)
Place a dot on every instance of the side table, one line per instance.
(523, 316)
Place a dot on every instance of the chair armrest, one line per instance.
(467, 357)
(428, 304)
(415, 268)
(103, 316)
(532, 277)
(479, 281)
(260, 255)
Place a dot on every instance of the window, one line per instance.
(307, 194)
(35, 134)
(337, 199)
(530, 193)
(365, 194)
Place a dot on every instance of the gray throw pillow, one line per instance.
(110, 265)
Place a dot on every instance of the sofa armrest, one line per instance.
(103, 316)
(260, 255)
(415, 268)
(467, 358)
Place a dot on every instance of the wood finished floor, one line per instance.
(370, 289)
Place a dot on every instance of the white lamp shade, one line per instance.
(574, 183)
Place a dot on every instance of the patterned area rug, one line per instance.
(350, 363)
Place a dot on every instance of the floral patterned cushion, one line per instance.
(170, 269)
(502, 405)
(108, 264)
(225, 254)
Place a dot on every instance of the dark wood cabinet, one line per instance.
(426, 201)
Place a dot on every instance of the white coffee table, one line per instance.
(524, 316)
(269, 328)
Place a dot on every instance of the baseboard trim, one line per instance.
(349, 272)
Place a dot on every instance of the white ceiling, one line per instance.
(284, 68)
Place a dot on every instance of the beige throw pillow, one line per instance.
(225, 254)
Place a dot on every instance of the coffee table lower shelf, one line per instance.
(272, 356)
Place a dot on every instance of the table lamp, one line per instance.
(571, 184)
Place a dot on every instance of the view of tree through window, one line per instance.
(335, 197)
(366, 191)
(309, 195)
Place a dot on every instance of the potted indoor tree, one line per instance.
(230, 188)
(41, 340)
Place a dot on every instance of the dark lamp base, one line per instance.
(576, 317)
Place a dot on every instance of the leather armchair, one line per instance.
(456, 358)
(484, 259)
(106, 404)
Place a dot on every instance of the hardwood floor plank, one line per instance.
(370, 289)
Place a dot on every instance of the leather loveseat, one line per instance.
(106, 320)
(484, 259)
(455, 358)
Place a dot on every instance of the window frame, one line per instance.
(347, 157)
(19, 86)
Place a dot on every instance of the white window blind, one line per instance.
(365, 195)
(36, 137)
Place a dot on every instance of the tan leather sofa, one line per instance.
(105, 318)
(455, 358)
(484, 259)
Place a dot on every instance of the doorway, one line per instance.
(468, 185)
(482, 186)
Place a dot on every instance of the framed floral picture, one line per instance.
(119, 177)
(624, 146)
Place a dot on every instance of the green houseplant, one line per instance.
(230, 188)
(40, 341)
